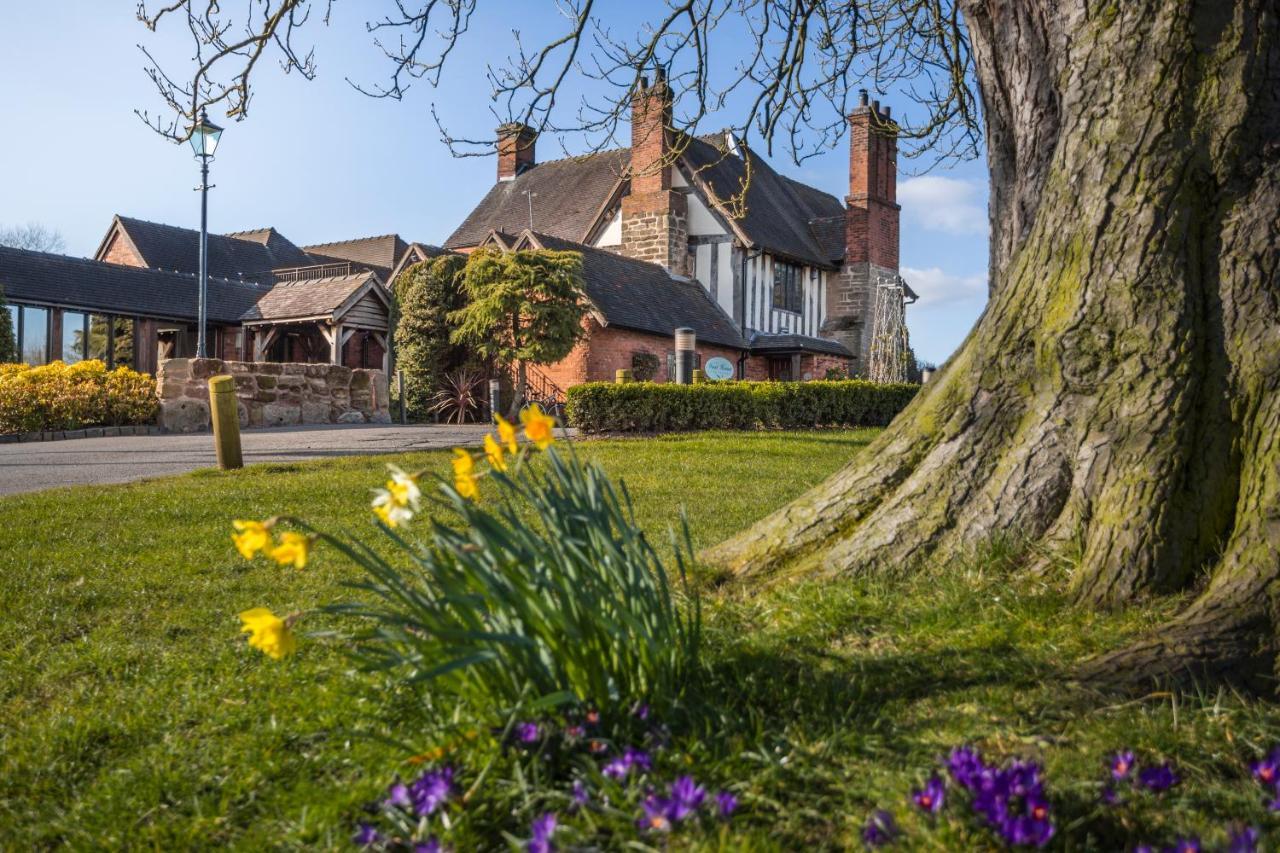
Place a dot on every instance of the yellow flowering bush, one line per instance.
(58, 396)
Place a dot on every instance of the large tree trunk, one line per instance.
(1118, 403)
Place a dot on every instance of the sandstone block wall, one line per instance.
(271, 394)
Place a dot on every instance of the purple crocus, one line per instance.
(1144, 848)
(656, 814)
(398, 796)
(1267, 770)
(430, 790)
(879, 830)
(686, 798)
(579, 794)
(1243, 840)
(631, 759)
(1186, 845)
(1109, 797)
(431, 845)
(641, 711)
(965, 765)
(726, 804)
(366, 835)
(1158, 779)
(527, 732)
(540, 834)
(1121, 764)
(931, 797)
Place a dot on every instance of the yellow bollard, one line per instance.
(224, 412)
(622, 376)
(698, 377)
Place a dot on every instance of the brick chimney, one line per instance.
(871, 228)
(654, 216)
(515, 149)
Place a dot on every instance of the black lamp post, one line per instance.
(204, 139)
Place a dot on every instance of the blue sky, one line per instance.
(320, 161)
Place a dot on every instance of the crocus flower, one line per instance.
(879, 829)
(931, 796)
(1267, 770)
(642, 711)
(580, 795)
(366, 835)
(655, 818)
(726, 804)
(268, 633)
(398, 796)
(964, 764)
(1158, 779)
(1143, 848)
(1121, 764)
(431, 845)
(1186, 845)
(574, 731)
(430, 790)
(1109, 797)
(527, 732)
(686, 798)
(631, 759)
(1243, 840)
(540, 834)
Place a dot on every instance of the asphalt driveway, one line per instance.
(32, 466)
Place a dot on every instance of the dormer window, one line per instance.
(787, 286)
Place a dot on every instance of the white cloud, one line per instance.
(937, 287)
(944, 204)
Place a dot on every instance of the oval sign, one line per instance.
(718, 368)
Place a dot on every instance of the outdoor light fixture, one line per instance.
(204, 141)
(204, 136)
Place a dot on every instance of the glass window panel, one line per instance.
(13, 324)
(99, 336)
(73, 336)
(35, 335)
(122, 347)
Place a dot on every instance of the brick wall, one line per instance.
(119, 251)
(607, 349)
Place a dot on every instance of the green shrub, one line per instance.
(647, 407)
(425, 294)
(58, 396)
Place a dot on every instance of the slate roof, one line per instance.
(381, 253)
(250, 255)
(782, 215)
(762, 343)
(308, 297)
(80, 283)
(570, 195)
(778, 209)
(643, 297)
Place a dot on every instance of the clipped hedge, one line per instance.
(649, 407)
(59, 396)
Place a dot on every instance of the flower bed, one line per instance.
(59, 396)
(650, 407)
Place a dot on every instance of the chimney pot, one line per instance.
(875, 105)
(515, 149)
(862, 97)
(887, 111)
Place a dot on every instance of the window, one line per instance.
(73, 336)
(99, 337)
(13, 324)
(787, 286)
(33, 341)
(122, 342)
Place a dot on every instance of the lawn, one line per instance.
(133, 715)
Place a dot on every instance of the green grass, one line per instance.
(131, 713)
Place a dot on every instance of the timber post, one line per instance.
(223, 411)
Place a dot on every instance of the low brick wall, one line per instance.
(271, 394)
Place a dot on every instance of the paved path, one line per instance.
(36, 465)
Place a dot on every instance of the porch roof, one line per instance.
(326, 298)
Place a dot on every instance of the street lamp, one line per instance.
(204, 140)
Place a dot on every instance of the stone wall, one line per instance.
(271, 394)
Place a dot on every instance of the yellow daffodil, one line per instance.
(506, 434)
(464, 477)
(538, 426)
(399, 501)
(250, 538)
(493, 452)
(268, 632)
(292, 549)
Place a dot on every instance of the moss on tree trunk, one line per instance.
(1118, 403)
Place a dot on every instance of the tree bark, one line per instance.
(1118, 403)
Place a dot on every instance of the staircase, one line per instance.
(542, 390)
